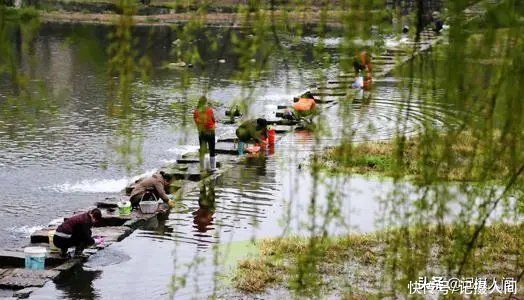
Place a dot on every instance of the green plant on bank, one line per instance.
(379, 158)
(357, 260)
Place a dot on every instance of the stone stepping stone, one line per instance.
(187, 161)
(283, 128)
(41, 236)
(112, 234)
(321, 94)
(186, 171)
(24, 293)
(23, 278)
(320, 100)
(229, 139)
(331, 88)
(226, 148)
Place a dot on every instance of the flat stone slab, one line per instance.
(24, 293)
(228, 140)
(322, 100)
(106, 204)
(69, 264)
(188, 161)
(283, 128)
(112, 234)
(23, 278)
(41, 236)
(285, 121)
(192, 173)
(226, 148)
(15, 258)
(12, 258)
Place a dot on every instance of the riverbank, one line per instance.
(453, 157)
(210, 18)
(108, 13)
(362, 266)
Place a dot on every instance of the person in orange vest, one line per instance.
(305, 106)
(363, 69)
(205, 122)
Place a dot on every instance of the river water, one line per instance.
(62, 157)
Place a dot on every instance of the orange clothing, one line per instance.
(365, 59)
(204, 121)
(304, 104)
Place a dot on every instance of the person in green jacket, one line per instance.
(252, 130)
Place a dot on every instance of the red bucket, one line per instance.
(271, 136)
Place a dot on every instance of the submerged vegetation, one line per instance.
(356, 265)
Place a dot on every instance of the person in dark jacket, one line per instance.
(76, 232)
(151, 188)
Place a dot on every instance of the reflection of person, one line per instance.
(206, 208)
(252, 130)
(76, 232)
(78, 284)
(205, 121)
(151, 188)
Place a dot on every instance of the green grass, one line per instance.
(23, 14)
(303, 265)
(465, 158)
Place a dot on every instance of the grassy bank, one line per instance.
(461, 157)
(372, 265)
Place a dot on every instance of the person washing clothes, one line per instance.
(151, 188)
(252, 130)
(363, 69)
(305, 106)
(76, 232)
(205, 121)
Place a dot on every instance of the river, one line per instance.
(64, 156)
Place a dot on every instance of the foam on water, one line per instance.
(93, 186)
(25, 230)
(98, 185)
(334, 41)
(183, 149)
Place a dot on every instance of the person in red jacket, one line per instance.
(76, 232)
(205, 122)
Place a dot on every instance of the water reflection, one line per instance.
(78, 283)
(203, 216)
